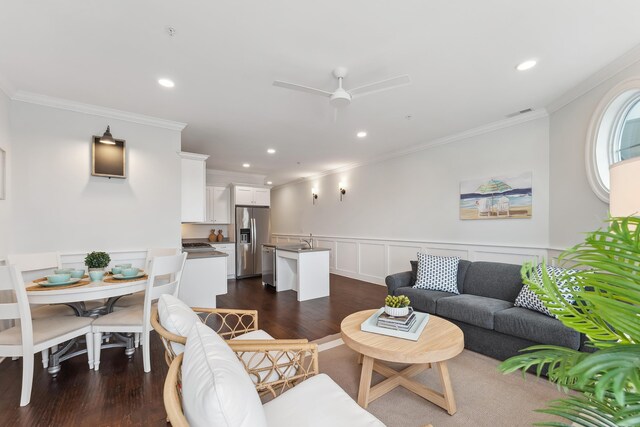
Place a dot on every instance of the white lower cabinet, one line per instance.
(229, 249)
(202, 280)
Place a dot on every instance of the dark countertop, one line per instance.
(301, 248)
(206, 240)
(205, 254)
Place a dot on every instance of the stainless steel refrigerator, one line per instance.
(253, 228)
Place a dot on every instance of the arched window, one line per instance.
(614, 134)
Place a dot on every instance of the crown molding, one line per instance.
(235, 175)
(480, 130)
(95, 110)
(193, 156)
(594, 80)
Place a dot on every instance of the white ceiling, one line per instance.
(225, 54)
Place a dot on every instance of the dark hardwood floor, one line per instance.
(121, 394)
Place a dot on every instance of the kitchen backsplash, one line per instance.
(197, 231)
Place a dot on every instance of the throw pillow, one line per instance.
(176, 317)
(528, 299)
(437, 273)
(216, 388)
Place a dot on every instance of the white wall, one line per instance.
(58, 205)
(574, 207)
(416, 197)
(5, 205)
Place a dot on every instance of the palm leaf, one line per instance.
(606, 289)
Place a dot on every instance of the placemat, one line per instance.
(44, 279)
(112, 280)
(50, 288)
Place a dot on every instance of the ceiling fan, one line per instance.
(342, 97)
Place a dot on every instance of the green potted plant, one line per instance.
(396, 306)
(606, 290)
(97, 262)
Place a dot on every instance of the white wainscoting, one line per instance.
(371, 260)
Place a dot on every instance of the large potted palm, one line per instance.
(607, 311)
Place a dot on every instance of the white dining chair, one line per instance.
(137, 299)
(32, 336)
(31, 267)
(137, 320)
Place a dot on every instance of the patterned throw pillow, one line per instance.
(437, 273)
(528, 299)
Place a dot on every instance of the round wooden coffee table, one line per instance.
(440, 341)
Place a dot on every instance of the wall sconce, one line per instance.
(342, 190)
(314, 195)
(107, 138)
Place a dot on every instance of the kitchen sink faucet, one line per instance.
(310, 241)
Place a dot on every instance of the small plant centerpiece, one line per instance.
(97, 262)
(396, 306)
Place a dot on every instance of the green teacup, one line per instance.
(58, 278)
(116, 270)
(76, 274)
(130, 272)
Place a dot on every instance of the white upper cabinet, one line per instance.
(262, 196)
(218, 205)
(251, 196)
(194, 177)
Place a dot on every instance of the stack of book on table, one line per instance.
(403, 323)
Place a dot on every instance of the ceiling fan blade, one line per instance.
(301, 88)
(380, 86)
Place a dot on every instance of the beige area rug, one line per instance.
(484, 396)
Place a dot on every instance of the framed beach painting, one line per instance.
(500, 197)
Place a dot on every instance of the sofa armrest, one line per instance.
(398, 280)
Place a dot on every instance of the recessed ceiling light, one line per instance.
(361, 134)
(269, 182)
(526, 65)
(271, 151)
(246, 165)
(166, 82)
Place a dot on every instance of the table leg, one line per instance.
(447, 389)
(365, 381)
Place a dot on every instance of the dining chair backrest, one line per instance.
(34, 265)
(156, 252)
(11, 280)
(170, 266)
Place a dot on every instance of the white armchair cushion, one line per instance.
(317, 401)
(216, 389)
(176, 317)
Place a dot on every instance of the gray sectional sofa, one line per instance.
(485, 312)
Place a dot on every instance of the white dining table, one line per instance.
(92, 291)
(75, 297)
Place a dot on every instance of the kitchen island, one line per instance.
(204, 276)
(304, 270)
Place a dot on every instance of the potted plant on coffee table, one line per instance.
(97, 262)
(396, 306)
(606, 290)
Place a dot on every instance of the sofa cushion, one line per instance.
(472, 309)
(493, 280)
(216, 389)
(534, 326)
(176, 317)
(423, 299)
(528, 299)
(437, 273)
(317, 401)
